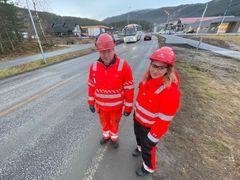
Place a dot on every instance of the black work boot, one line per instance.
(142, 172)
(103, 141)
(136, 153)
(115, 144)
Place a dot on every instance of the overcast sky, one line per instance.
(101, 9)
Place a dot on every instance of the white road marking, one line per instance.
(92, 169)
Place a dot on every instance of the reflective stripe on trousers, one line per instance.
(148, 149)
(110, 122)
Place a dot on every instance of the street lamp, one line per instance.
(199, 26)
(167, 27)
(225, 13)
(167, 15)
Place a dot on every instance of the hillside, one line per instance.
(48, 19)
(15, 22)
(215, 8)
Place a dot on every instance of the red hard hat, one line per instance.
(104, 42)
(164, 54)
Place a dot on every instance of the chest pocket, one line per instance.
(152, 98)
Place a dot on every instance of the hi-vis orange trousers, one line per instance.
(110, 123)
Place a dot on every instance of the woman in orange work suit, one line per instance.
(157, 102)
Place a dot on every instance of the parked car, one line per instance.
(147, 37)
(118, 38)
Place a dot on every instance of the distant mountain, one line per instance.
(215, 8)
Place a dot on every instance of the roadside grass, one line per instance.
(39, 64)
(71, 40)
(202, 142)
(233, 38)
(210, 123)
(161, 40)
(28, 48)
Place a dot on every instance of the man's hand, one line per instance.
(126, 113)
(92, 109)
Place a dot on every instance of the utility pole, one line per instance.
(34, 27)
(39, 21)
(167, 26)
(199, 26)
(225, 13)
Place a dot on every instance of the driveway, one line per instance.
(172, 39)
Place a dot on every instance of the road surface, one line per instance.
(47, 131)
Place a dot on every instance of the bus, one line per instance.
(132, 33)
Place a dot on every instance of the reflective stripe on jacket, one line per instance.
(156, 106)
(111, 87)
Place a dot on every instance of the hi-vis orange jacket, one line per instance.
(156, 106)
(111, 87)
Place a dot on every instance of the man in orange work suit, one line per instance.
(110, 89)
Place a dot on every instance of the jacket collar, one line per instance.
(155, 82)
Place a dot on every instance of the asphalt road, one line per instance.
(47, 131)
(10, 63)
(172, 39)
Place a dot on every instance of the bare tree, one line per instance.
(1, 45)
(5, 30)
(10, 40)
(5, 1)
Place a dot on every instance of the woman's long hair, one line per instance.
(169, 77)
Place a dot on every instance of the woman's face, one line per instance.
(157, 69)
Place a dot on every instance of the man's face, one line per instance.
(107, 56)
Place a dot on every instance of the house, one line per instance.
(192, 20)
(66, 29)
(190, 25)
(227, 24)
(94, 30)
